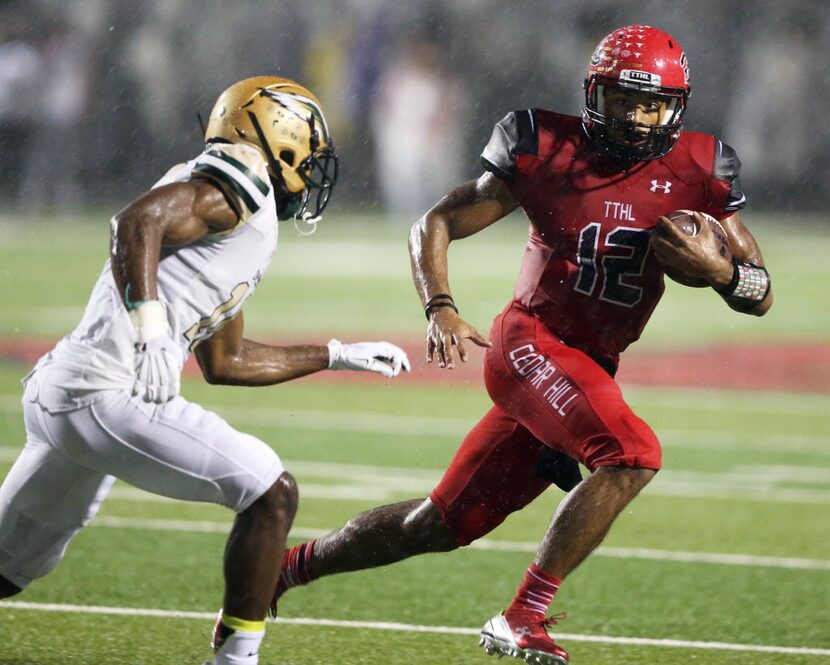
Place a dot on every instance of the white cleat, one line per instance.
(522, 636)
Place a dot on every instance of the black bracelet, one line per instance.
(435, 305)
(438, 296)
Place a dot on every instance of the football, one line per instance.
(686, 222)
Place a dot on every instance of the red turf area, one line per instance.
(803, 367)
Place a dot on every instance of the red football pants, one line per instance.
(546, 394)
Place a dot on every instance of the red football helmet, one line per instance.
(643, 59)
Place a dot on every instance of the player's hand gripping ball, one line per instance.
(686, 222)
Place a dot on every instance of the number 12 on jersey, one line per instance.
(614, 269)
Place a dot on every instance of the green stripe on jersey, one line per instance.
(228, 180)
(253, 177)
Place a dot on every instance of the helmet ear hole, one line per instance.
(287, 156)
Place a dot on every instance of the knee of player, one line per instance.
(280, 500)
(428, 526)
(632, 479)
(644, 476)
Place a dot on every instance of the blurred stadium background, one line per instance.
(98, 98)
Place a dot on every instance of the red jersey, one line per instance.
(588, 273)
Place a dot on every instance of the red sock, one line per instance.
(296, 565)
(535, 593)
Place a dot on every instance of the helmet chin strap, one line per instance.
(305, 224)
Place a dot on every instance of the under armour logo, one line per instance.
(666, 186)
(523, 631)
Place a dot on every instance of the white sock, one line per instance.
(241, 648)
(241, 644)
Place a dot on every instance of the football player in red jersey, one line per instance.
(596, 190)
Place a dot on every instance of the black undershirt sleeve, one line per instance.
(728, 167)
(516, 133)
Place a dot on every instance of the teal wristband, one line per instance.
(132, 305)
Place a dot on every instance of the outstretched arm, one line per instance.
(466, 210)
(230, 359)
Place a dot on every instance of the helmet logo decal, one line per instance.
(637, 76)
(685, 65)
(303, 107)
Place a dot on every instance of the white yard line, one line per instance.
(454, 428)
(729, 400)
(748, 560)
(412, 628)
(649, 554)
(390, 488)
(361, 482)
(756, 482)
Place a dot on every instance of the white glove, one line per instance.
(381, 357)
(157, 371)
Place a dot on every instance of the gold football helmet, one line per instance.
(284, 121)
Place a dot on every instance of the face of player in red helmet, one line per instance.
(631, 114)
(635, 94)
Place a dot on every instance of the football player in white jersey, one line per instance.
(104, 403)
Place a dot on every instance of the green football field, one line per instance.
(724, 559)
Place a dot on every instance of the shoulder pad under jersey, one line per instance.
(517, 132)
(239, 171)
(728, 167)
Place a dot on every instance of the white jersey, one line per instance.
(202, 285)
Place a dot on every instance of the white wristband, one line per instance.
(334, 346)
(149, 319)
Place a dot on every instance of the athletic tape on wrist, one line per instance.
(753, 282)
(749, 286)
(149, 319)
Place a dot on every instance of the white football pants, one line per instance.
(71, 459)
